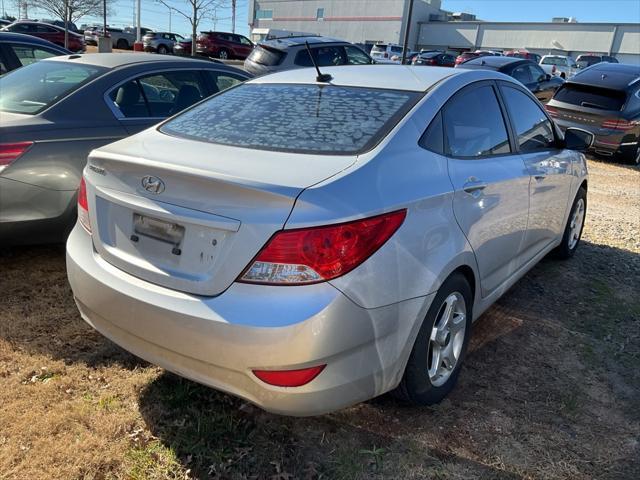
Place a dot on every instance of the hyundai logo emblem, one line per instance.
(152, 184)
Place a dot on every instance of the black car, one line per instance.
(605, 100)
(18, 50)
(541, 84)
(584, 61)
(436, 59)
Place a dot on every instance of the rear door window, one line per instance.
(474, 125)
(591, 96)
(324, 57)
(522, 74)
(222, 81)
(314, 119)
(533, 129)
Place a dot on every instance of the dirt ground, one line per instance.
(550, 388)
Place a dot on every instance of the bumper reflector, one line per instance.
(289, 378)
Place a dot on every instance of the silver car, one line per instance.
(161, 42)
(307, 245)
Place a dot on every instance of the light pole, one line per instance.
(138, 23)
(66, 24)
(405, 43)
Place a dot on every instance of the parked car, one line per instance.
(59, 23)
(524, 54)
(408, 60)
(437, 59)
(161, 42)
(47, 32)
(584, 61)
(561, 65)
(4, 22)
(464, 56)
(54, 112)
(91, 35)
(605, 100)
(527, 72)
(234, 243)
(223, 45)
(291, 52)
(18, 50)
(383, 52)
(183, 47)
(121, 38)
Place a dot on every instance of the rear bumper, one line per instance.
(150, 48)
(605, 142)
(218, 341)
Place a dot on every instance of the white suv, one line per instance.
(565, 66)
(383, 53)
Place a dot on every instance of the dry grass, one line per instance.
(550, 389)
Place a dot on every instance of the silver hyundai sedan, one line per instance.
(308, 243)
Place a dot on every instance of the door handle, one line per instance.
(539, 177)
(474, 186)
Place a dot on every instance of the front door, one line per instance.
(491, 182)
(548, 165)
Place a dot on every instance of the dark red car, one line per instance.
(48, 32)
(525, 54)
(463, 57)
(223, 45)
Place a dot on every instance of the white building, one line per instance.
(567, 38)
(357, 21)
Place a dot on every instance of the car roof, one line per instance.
(493, 62)
(30, 39)
(114, 60)
(294, 41)
(616, 76)
(394, 77)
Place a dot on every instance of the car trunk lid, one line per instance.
(190, 215)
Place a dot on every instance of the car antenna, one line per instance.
(322, 77)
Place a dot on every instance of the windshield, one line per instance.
(323, 119)
(379, 48)
(591, 96)
(35, 87)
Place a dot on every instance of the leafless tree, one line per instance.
(75, 9)
(194, 11)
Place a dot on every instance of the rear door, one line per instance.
(491, 182)
(548, 165)
(244, 46)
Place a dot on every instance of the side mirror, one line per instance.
(578, 139)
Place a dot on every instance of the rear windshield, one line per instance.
(379, 48)
(266, 56)
(35, 87)
(554, 61)
(591, 97)
(588, 60)
(328, 119)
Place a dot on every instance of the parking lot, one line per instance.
(550, 387)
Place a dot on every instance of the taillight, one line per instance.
(10, 152)
(289, 378)
(83, 206)
(317, 254)
(618, 124)
(551, 111)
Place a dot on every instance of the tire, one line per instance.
(574, 227)
(163, 50)
(631, 157)
(223, 54)
(122, 44)
(425, 382)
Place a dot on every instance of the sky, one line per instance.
(156, 16)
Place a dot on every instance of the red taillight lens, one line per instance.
(83, 206)
(10, 152)
(618, 124)
(289, 378)
(551, 111)
(317, 254)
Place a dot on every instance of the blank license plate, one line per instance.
(162, 230)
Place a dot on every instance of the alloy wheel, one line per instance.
(447, 339)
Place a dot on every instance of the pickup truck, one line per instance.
(122, 38)
(559, 65)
